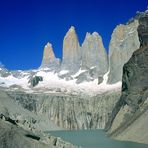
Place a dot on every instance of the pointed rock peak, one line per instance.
(71, 35)
(48, 52)
(88, 35)
(49, 60)
(72, 28)
(71, 32)
(48, 45)
(95, 34)
(71, 50)
(92, 36)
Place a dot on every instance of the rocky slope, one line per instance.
(14, 136)
(21, 128)
(129, 117)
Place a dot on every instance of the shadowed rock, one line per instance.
(35, 80)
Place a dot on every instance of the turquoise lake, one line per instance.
(94, 139)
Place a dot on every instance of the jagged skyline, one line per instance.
(27, 26)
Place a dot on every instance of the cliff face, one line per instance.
(124, 42)
(94, 53)
(71, 51)
(130, 116)
(70, 112)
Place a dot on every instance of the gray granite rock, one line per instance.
(49, 60)
(94, 53)
(70, 111)
(71, 59)
(13, 136)
(124, 42)
(131, 112)
(20, 127)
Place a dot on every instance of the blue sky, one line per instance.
(27, 25)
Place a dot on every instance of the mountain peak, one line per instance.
(88, 35)
(48, 45)
(48, 52)
(72, 28)
(71, 50)
(71, 33)
(94, 54)
(95, 34)
(49, 59)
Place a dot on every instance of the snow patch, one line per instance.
(11, 80)
(105, 78)
(62, 72)
(78, 73)
(53, 84)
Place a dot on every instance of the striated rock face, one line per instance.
(130, 116)
(94, 53)
(123, 43)
(71, 51)
(70, 112)
(49, 60)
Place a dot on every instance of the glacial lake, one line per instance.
(94, 139)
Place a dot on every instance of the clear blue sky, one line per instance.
(27, 25)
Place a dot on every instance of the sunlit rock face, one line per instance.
(71, 51)
(70, 112)
(94, 53)
(124, 42)
(49, 60)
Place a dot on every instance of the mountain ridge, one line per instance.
(82, 67)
